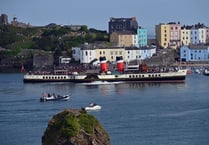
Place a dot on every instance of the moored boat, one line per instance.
(206, 72)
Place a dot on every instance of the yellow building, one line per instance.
(185, 36)
(123, 39)
(110, 53)
(163, 35)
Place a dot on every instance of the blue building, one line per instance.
(194, 35)
(194, 53)
(142, 37)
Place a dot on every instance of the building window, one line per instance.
(86, 53)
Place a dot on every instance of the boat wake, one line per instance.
(182, 113)
(101, 83)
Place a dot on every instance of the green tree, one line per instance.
(84, 29)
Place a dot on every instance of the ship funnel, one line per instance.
(120, 63)
(103, 64)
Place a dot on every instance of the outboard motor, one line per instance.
(120, 63)
(103, 64)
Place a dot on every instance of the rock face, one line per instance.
(74, 127)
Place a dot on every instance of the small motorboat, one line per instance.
(206, 72)
(53, 97)
(92, 107)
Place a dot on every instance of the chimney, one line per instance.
(120, 63)
(103, 64)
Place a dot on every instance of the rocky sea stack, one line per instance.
(74, 127)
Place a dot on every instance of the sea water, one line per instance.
(132, 113)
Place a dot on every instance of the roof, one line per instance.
(198, 47)
(125, 32)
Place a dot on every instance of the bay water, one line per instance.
(132, 113)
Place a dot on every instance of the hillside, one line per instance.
(51, 38)
(48, 38)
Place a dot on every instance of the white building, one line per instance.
(84, 54)
(76, 53)
(132, 54)
(202, 35)
(195, 34)
(64, 59)
(88, 53)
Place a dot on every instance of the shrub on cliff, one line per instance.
(75, 127)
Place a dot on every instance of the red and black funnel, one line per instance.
(103, 64)
(120, 63)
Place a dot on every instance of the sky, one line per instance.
(97, 13)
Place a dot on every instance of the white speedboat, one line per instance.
(206, 72)
(53, 97)
(92, 107)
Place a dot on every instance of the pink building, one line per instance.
(175, 34)
(207, 35)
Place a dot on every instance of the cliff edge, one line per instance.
(74, 127)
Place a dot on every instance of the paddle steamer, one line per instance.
(141, 73)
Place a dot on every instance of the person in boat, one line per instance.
(44, 95)
(54, 95)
